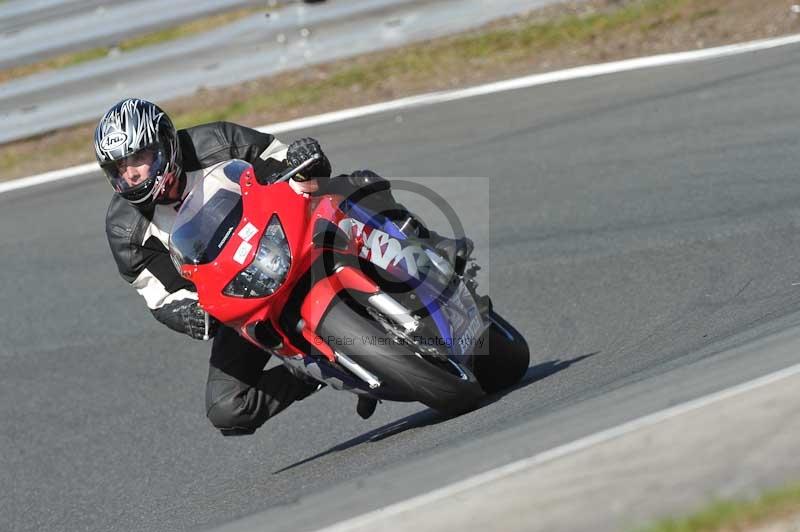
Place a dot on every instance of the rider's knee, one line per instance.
(225, 417)
(227, 409)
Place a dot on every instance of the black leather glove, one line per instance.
(301, 150)
(186, 316)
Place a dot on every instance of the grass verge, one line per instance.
(772, 508)
(498, 46)
(559, 36)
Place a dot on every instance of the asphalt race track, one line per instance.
(639, 224)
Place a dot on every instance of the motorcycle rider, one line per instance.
(152, 167)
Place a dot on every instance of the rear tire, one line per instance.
(404, 375)
(503, 358)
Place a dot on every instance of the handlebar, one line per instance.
(296, 170)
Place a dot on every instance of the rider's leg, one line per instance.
(240, 395)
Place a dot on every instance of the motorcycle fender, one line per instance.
(321, 296)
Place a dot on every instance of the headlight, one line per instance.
(269, 267)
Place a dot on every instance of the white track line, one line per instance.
(47, 177)
(446, 492)
(448, 96)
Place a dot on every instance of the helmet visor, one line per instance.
(137, 171)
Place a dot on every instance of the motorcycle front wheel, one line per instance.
(502, 357)
(405, 374)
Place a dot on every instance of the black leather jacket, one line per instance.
(139, 238)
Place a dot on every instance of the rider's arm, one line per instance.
(144, 262)
(205, 145)
(177, 310)
(208, 144)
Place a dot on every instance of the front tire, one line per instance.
(404, 375)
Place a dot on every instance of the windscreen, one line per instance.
(208, 216)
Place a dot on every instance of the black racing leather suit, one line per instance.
(240, 395)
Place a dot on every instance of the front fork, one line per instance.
(322, 295)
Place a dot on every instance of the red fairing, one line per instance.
(297, 214)
(258, 207)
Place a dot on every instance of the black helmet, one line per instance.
(128, 129)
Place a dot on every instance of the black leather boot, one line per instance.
(366, 406)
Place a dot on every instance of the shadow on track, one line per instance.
(420, 419)
(430, 417)
(535, 374)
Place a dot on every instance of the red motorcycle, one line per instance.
(341, 294)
